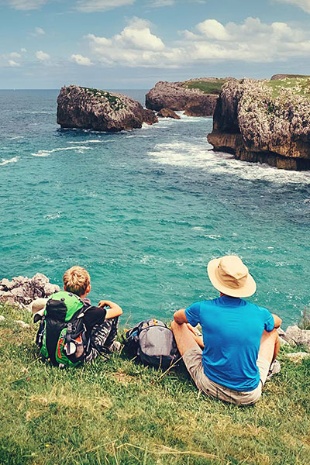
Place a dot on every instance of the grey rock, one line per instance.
(297, 356)
(178, 96)
(21, 291)
(168, 113)
(99, 110)
(256, 126)
(295, 335)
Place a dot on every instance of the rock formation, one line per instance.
(22, 290)
(260, 123)
(183, 96)
(168, 113)
(98, 110)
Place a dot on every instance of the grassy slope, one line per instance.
(117, 412)
(298, 85)
(207, 86)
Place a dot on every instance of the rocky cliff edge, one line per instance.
(265, 121)
(196, 97)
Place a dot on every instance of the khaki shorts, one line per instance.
(193, 361)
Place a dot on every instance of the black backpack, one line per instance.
(64, 333)
(153, 343)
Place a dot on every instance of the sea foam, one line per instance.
(10, 160)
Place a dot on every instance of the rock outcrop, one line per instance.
(22, 291)
(168, 113)
(184, 96)
(259, 123)
(99, 110)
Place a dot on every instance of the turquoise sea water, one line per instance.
(144, 211)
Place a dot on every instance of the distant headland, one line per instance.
(266, 121)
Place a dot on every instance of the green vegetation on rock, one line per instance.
(120, 413)
(115, 102)
(296, 85)
(206, 86)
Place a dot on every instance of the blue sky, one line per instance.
(124, 44)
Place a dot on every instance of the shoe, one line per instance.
(116, 346)
(275, 368)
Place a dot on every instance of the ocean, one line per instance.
(144, 211)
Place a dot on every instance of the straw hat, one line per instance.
(230, 276)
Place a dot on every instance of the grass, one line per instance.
(113, 100)
(121, 413)
(298, 85)
(208, 86)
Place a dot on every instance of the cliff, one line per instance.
(196, 97)
(85, 108)
(265, 121)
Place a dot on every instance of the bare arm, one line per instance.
(277, 320)
(113, 311)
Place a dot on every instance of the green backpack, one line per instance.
(63, 337)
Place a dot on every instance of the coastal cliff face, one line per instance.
(259, 122)
(85, 108)
(184, 96)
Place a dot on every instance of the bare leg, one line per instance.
(269, 345)
(184, 337)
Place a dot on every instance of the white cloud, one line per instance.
(81, 60)
(250, 41)
(303, 4)
(39, 31)
(13, 63)
(210, 40)
(90, 6)
(42, 56)
(164, 3)
(15, 55)
(212, 29)
(138, 35)
(26, 4)
(134, 46)
(160, 3)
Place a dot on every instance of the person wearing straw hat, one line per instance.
(239, 339)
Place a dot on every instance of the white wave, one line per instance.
(46, 153)
(53, 216)
(92, 141)
(10, 160)
(200, 155)
(147, 126)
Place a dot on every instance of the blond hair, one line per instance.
(76, 280)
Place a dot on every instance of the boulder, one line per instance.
(99, 110)
(296, 336)
(168, 113)
(257, 124)
(184, 96)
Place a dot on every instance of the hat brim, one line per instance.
(247, 290)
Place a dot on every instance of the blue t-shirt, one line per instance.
(232, 329)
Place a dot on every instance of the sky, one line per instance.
(132, 44)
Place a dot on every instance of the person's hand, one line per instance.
(104, 303)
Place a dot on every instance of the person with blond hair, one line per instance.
(103, 336)
(239, 339)
(102, 319)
